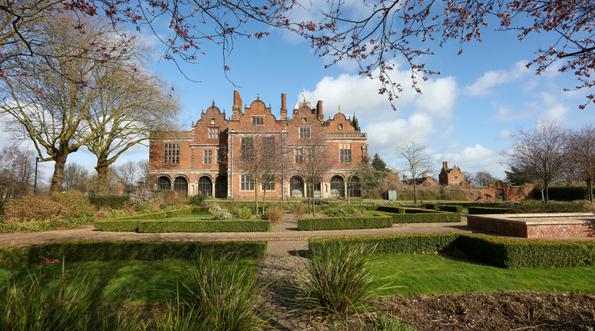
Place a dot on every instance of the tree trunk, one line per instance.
(590, 189)
(58, 176)
(102, 178)
(546, 193)
(256, 196)
(414, 192)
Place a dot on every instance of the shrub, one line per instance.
(196, 200)
(515, 253)
(391, 209)
(152, 226)
(75, 251)
(140, 197)
(439, 217)
(528, 206)
(562, 193)
(450, 208)
(222, 295)
(343, 223)
(497, 251)
(299, 210)
(409, 243)
(30, 208)
(109, 201)
(219, 213)
(337, 281)
(242, 212)
(74, 203)
(274, 214)
(489, 210)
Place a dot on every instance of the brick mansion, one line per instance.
(213, 158)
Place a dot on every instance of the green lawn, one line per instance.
(408, 274)
(118, 281)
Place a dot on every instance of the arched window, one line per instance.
(296, 186)
(181, 185)
(163, 184)
(205, 186)
(337, 187)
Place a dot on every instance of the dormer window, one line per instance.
(257, 120)
(304, 120)
(340, 126)
(212, 121)
(213, 133)
(304, 133)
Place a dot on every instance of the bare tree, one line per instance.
(543, 150)
(484, 178)
(16, 171)
(581, 150)
(76, 177)
(50, 103)
(127, 174)
(417, 163)
(143, 172)
(316, 162)
(375, 34)
(128, 106)
(261, 158)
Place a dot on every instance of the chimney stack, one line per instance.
(445, 165)
(283, 107)
(237, 105)
(319, 111)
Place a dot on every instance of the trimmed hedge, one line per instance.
(109, 201)
(75, 251)
(408, 243)
(391, 209)
(563, 193)
(204, 226)
(344, 223)
(490, 210)
(496, 251)
(164, 214)
(439, 217)
(188, 225)
(519, 253)
(450, 208)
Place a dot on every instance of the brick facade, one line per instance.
(206, 159)
(452, 176)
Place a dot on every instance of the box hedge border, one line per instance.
(489, 210)
(344, 223)
(189, 225)
(77, 251)
(496, 251)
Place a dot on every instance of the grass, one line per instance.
(409, 274)
(142, 282)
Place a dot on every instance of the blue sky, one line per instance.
(466, 115)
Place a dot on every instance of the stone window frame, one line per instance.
(171, 153)
(258, 120)
(302, 134)
(269, 181)
(207, 156)
(246, 149)
(213, 133)
(345, 154)
(246, 183)
(298, 155)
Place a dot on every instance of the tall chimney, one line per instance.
(283, 107)
(319, 110)
(237, 105)
(444, 165)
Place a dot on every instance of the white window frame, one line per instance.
(271, 181)
(258, 120)
(171, 153)
(246, 183)
(308, 130)
(207, 156)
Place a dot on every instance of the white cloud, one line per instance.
(359, 94)
(386, 137)
(504, 133)
(473, 159)
(493, 78)
(555, 110)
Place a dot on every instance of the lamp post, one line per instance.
(35, 181)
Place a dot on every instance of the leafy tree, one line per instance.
(519, 176)
(378, 164)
